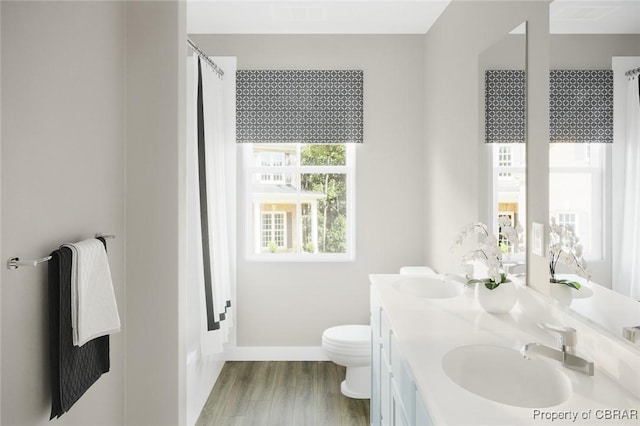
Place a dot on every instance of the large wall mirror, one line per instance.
(502, 74)
(592, 165)
(592, 46)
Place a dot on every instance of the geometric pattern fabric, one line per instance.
(299, 106)
(580, 106)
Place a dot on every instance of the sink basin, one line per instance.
(504, 375)
(428, 286)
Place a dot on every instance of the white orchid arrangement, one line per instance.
(488, 249)
(564, 247)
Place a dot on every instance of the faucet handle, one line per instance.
(568, 335)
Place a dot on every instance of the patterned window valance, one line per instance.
(580, 106)
(299, 106)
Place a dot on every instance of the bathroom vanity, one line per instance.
(439, 359)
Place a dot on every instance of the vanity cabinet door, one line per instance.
(385, 390)
(398, 409)
(376, 416)
(403, 386)
(422, 415)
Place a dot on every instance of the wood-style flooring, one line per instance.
(284, 393)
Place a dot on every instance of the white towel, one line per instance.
(94, 312)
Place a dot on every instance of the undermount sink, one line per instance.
(504, 375)
(428, 286)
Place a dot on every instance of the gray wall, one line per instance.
(62, 181)
(93, 99)
(290, 304)
(155, 200)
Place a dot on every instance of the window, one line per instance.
(273, 231)
(299, 201)
(576, 192)
(504, 159)
(268, 158)
(567, 220)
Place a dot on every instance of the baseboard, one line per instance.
(275, 353)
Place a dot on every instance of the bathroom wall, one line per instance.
(63, 125)
(156, 292)
(454, 190)
(92, 141)
(290, 304)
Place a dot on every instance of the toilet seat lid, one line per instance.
(349, 334)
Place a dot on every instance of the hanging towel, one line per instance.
(73, 369)
(94, 312)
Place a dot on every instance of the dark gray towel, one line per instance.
(73, 369)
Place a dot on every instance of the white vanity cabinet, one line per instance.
(394, 397)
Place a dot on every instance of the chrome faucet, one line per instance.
(567, 341)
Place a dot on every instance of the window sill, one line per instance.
(301, 258)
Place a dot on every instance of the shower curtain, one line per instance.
(628, 268)
(207, 222)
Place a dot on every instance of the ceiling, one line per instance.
(312, 17)
(386, 17)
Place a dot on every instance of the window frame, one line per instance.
(248, 170)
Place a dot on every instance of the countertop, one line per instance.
(426, 329)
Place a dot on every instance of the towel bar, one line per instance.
(100, 234)
(15, 262)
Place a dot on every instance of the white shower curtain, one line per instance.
(207, 211)
(627, 269)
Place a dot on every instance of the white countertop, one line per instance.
(426, 329)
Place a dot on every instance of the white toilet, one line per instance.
(350, 346)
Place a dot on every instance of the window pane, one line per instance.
(323, 155)
(571, 203)
(331, 211)
(576, 192)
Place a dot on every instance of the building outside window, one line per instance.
(299, 201)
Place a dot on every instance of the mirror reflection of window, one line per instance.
(509, 189)
(577, 192)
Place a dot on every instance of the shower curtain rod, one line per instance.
(200, 53)
(632, 72)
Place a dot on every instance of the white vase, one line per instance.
(562, 293)
(500, 300)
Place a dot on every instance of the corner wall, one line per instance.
(62, 181)
(156, 293)
(454, 146)
(289, 305)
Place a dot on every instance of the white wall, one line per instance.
(453, 143)
(290, 304)
(156, 295)
(62, 181)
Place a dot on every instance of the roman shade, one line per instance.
(580, 106)
(299, 106)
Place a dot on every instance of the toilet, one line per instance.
(350, 346)
(417, 270)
